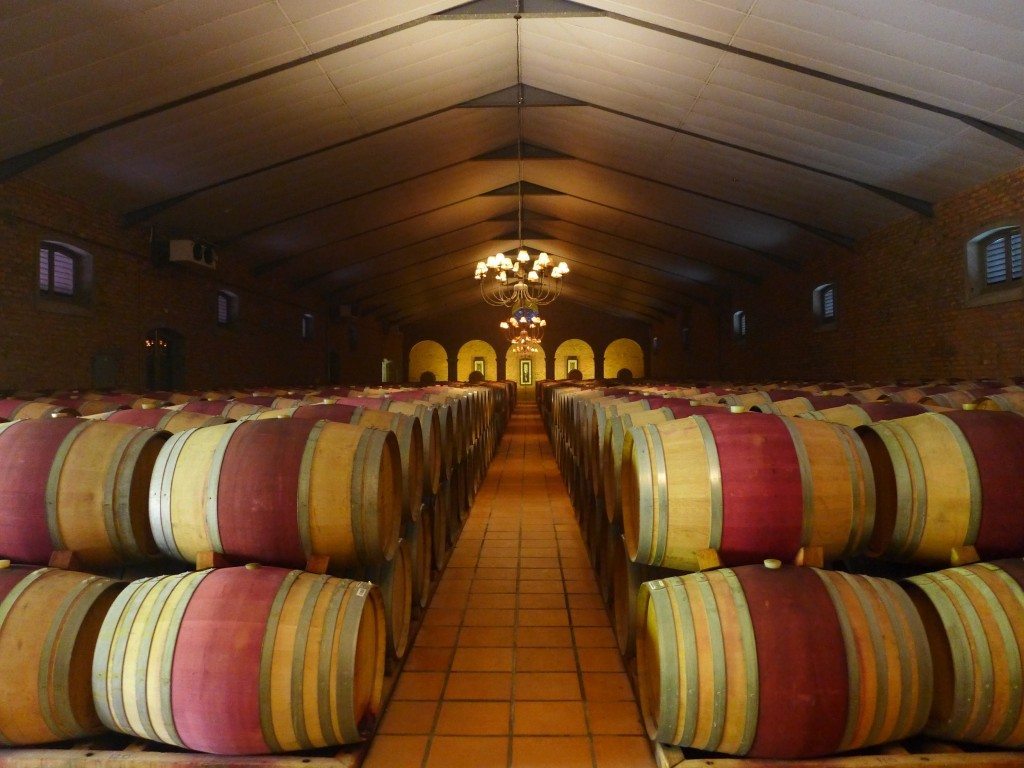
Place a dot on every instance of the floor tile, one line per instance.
(543, 617)
(419, 686)
(614, 718)
(427, 659)
(408, 717)
(489, 617)
(542, 600)
(607, 686)
(543, 637)
(486, 636)
(436, 637)
(492, 600)
(468, 659)
(594, 637)
(549, 718)
(394, 751)
(622, 752)
(483, 686)
(468, 752)
(474, 718)
(545, 660)
(551, 752)
(546, 686)
(600, 660)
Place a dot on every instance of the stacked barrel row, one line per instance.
(233, 660)
(697, 485)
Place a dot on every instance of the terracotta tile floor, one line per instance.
(515, 664)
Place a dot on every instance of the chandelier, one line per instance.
(524, 330)
(512, 281)
(516, 282)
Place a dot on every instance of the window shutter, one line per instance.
(995, 260)
(828, 303)
(44, 269)
(63, 274)
(1015, 256)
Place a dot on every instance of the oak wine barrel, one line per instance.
(237, 661)
(279, 491)
(787, 663)
(748, 485)
(973, 618)
(947, 480)
(75, 484)
(49, 622)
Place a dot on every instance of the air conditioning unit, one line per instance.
(195, 252)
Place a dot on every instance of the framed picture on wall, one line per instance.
(572, 363)
(478, 365)
(526, 371)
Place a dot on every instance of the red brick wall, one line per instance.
(902, 309)
(45, 345)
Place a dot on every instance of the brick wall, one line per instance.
(903, 308)
(51, 344)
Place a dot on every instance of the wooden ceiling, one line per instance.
(376, 150)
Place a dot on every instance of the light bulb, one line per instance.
(523, 255)
(533, 277)
(563, 268)
(503, 325)
(543, 259)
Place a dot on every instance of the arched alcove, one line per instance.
(624, 353)
(526, 375)
(429, 356)
(477, 355)
(574, 354)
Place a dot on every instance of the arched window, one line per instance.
(227, 308)
(739, 325)
(994, 265)
(63, 270)
(823, 301)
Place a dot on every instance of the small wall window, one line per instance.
(227, 308)
(995, 265)
(739, 325)
(307, 326)
(824, 304)
(63, 270)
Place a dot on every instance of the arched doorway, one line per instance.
(477, 355)
(526, 369)
(624, 354)
(574, 355)
(428, 357)
(165, 360)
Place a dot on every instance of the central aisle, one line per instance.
(515, 663)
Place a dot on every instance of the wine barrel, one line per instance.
(407, 433)
(74, 484)
(231, 409)
(49, 621)
(164, 419)
(787, 663)
(238, 661)
(1005, 401)
(947, 480)
(420, 537)
(279, 491)
(861, 414)
(396, 589)
(804, 404)
(748, 485)
(14, 409)
(627, 577)
(972, 616)
(437, 441)
(618, 434)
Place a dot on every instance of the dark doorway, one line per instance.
(165, 360)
